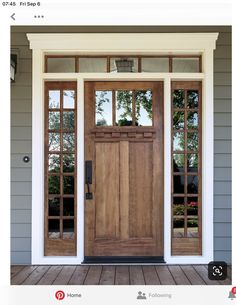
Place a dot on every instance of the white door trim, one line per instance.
(47, 43)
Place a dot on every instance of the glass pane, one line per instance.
(68, 99)
(113, 65)
(54, 141)
(155, 64)
(192, 120)
(68, 229)
(92, 65)
(192, 227)
(178, 120)
(54, 228)
(68, 184)
(68, 120)
(61, 65)
(178, 206)
(192, 184)
(178, 99)
(54, 120)
(178, 163)
(68, 206)
(178, 184)
(178, 227)
(192, 100)
(143, 103)
(54, 184)
(68, 163)
(103, 108)
(54, 207)
(185, 65)
(123, 108)
(53, 99)
(68, 141)
(192, 206)
(178, 141)
(192, 163)
(192, 141)
(54, 163)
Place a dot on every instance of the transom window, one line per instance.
(122, 63)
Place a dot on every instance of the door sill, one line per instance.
(123, 259)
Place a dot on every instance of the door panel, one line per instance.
(124, 218)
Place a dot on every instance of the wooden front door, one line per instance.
(124, 186)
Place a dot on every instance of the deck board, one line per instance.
(93, 275)
(114, 275)
(108, 275)
(36, 275)
(122, 276)
(165, 276)
(79, 275)
(50, 276)
(178, 275)
(136, 275)
(65, 275)
(192, 275)
(150, 275)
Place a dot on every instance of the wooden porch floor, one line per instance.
(114, 275)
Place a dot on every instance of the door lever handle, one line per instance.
(88, 178)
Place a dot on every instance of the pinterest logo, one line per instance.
(60, 295)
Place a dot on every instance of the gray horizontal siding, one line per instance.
(21, 133)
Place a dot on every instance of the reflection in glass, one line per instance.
(192, 184)
(192, 120)
(178, 227)
(113, 67)
(68, 163)
(178, 184)
(192, 100)
(178, 120)
(185, 65)
(68, 185)
(192, 227)
(54, 207)
(192, 206)
(68, 141)
(68, 206)
(92, 64)
(61, 65)
(178, 206)
(178, 99)
(155, 64)
(54, 141)
(178, 141)
(54, 228)
(123, 108)
(68, 229)
(143, 104)
(53, 99)
(103, 108)
(178, 163)
(54, 120)
(68, 120)
(68, 99)
(54, 163)
(54, 184)
(192, 163)
(192, 141)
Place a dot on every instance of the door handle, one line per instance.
(88, 178)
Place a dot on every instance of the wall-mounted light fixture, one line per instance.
(13, 67)
(124, 65)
